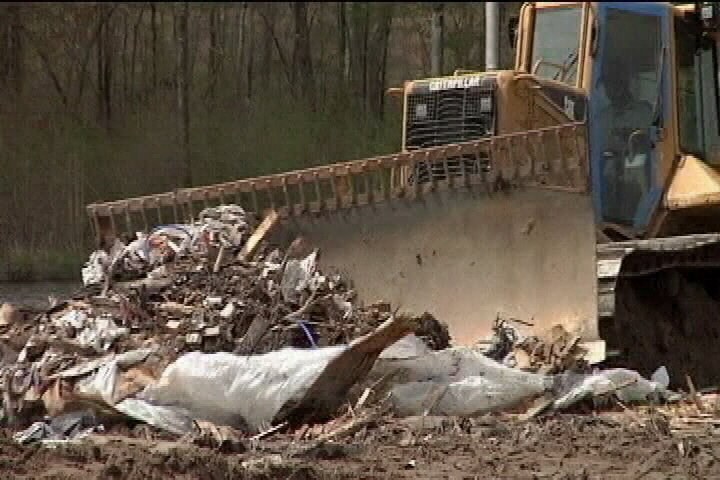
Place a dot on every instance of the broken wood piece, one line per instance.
(173, 324)
(301, 432)
(691, 420)
(363, 398)
(211, 331)
(694, 394)
(176, 308)
(219, 259)
(268, 432)
(569, 346)
(542, 405)
(260, 232)
(349, 428)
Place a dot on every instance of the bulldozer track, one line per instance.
(634, 258)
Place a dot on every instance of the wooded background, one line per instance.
(100, 101)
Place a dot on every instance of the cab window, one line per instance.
(556, 42)
(697, 89)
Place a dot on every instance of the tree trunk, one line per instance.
(212, 55)
(302, 72)
(154, 29)
(250, 61)
(384, 47)
(267, 11)
(104, 71)
(365, 53)
(12, 69)
(125, 62)
(94, 41)
(182, 80)
(108, 75)
(377, 58)
(240, 50)
(436, 39)
(133, 55)
(343, 47)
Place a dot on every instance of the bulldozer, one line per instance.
(580, 189)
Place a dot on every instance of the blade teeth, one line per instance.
(272, 189)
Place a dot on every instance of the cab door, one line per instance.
(629, 106)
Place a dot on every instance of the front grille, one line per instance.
(449, 116)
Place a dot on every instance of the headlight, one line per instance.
(486, 103)
(421, 111)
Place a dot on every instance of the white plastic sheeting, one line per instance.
(94, 270)
(628, 385)
(97, 332)
(458, 381)
(239, 390)
(297, 276)
(173, 419)
(250, 392)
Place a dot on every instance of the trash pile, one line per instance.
(190, 328)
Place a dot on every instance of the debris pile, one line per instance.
(556, 351)
(125, 342)
(210, 332)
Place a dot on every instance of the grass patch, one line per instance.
(52, 174)
(41, 264)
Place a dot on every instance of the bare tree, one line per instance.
(241, 36)
(105, 50)
(378, 55)
(182, 79)
(133, 54)
(154, 30)
(343, 45)
(214, 57)
(66, 69)
(302, 72)
(11, 49)
(436, 49)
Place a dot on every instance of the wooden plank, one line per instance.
(267, 224)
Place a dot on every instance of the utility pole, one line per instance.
(492, 35)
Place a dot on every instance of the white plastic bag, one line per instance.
(628, 385)
(239, 390)
(458, 381)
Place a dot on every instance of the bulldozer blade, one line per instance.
(516, 239)
(467, 256)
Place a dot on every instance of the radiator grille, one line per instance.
(445, 117)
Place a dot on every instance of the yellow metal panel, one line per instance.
(585, 75)
(526, 30)
(669, 149)
(694, 184)
(527, 254)
(542, 5)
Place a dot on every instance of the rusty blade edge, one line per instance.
(313, 175)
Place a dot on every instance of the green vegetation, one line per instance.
(89, 108)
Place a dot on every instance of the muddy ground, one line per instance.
(568, 447)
